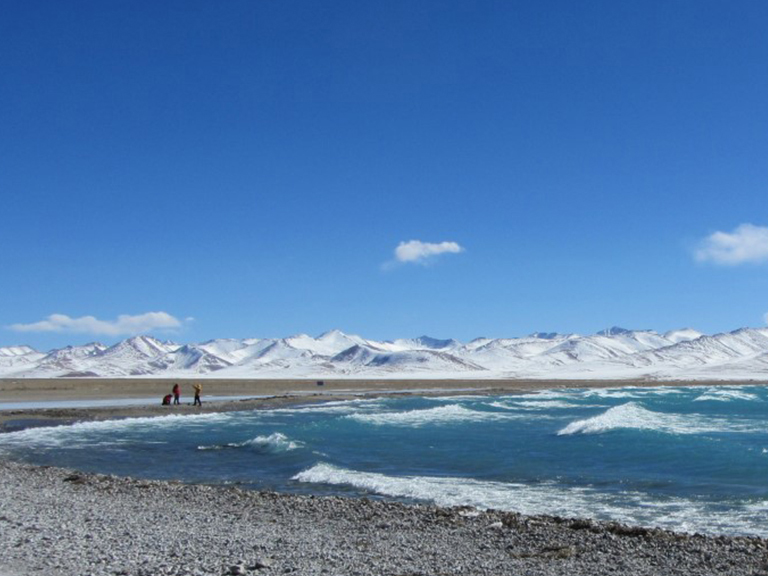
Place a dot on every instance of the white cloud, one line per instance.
(420, 252)
(125, 324)
(748, 243)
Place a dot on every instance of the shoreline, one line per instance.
(254, 394)
(126, 526)
(114, 525)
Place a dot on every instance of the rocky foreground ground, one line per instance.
(60, 522)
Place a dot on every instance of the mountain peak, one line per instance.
(335, 333)
(614, 331)
(545, 335)
(434, 343)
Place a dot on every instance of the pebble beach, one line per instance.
(62, 522)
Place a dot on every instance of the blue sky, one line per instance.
(237, 169)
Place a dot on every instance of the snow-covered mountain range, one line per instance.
(615, 353)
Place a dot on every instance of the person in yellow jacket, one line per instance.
(198, 389)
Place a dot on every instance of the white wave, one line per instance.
(633, 416)
(275, 442)
(334, 407)
(93, 433)
(450, 414)
(540, 405)
(553, 394)
(456, 398)
(503, 406)
(633, 392)
(757, 507)
(549, 498)
(726, 395)
(444, 491)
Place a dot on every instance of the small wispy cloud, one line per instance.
(418, 252)
(124, 325)
(747, 244)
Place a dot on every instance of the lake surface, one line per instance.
(686, 459)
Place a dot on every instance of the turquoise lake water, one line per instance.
(687, 459)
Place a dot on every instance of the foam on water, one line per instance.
(333, 407)
(440, 490)
(456, 398)
(450, 414)
(551, 499)
(538, 405)
(633, 416)
(632, 392)
(274, 443)
(726, 395)
(558, 394)
(53, 436)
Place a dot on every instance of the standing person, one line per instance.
(176, 393)
(198, 389)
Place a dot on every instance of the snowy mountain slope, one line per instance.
(615, 353)
(526, 347)
(15, 358)
(17, 351)
(189, 358)
(236, 351)
(605, 346)
(137, 348)
(327, 344)
(369, 357)
(737, 346)
(71, 359)
(426, 343)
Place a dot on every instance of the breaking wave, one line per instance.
(633, 416)
(106, 432)
(274, 443)
(444, 491)
(538, 405)
(548, 498)
(633, 392)
(726, 395)
(451, 414)
(332, 407)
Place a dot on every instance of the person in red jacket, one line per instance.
(176, 393)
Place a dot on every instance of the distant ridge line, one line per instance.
(613, 353)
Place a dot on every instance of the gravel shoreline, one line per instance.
(61, 522)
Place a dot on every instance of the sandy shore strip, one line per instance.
(63, 522)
